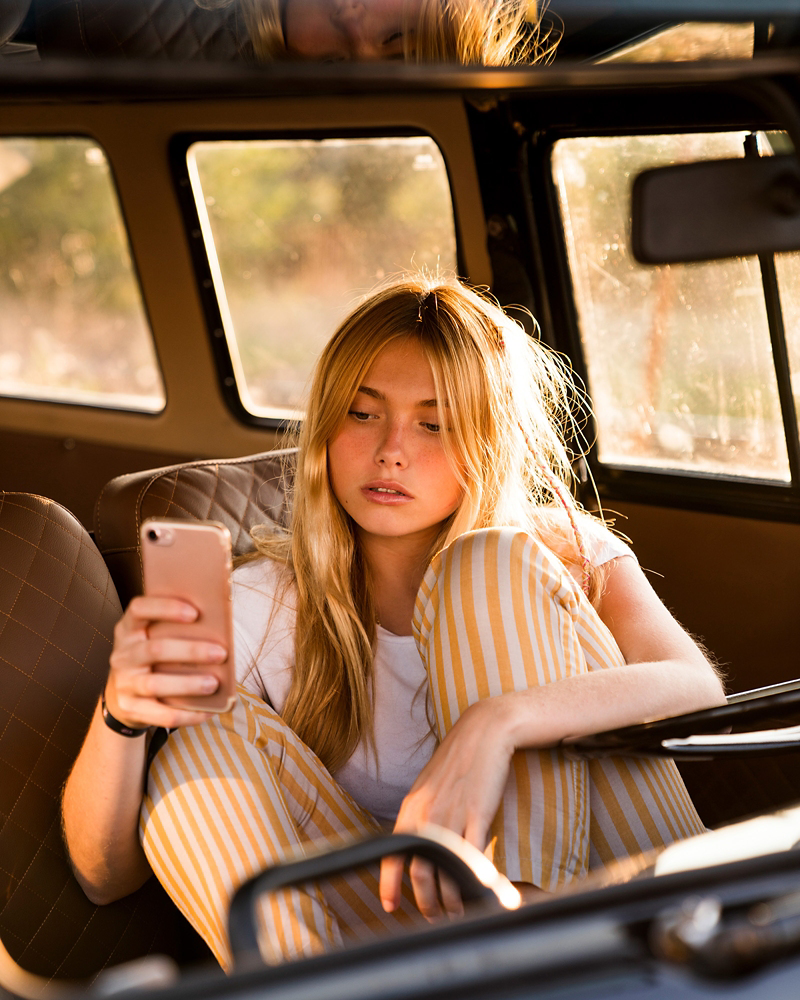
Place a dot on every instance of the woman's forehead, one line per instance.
(401, 370)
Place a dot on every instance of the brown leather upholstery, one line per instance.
(58, 607)
(239, 492)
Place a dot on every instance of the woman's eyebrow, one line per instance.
(368, 391)
(377, 394)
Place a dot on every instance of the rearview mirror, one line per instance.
(717, 208)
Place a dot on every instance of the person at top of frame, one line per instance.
(440, 617)
(471, 32)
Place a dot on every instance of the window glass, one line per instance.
(298, 230)
(72, 324)
(690, 41)
(678, 357)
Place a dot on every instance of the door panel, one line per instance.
(70, 470)
(733, 582)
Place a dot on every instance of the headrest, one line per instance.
(239, 492)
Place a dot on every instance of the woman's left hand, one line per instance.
(460, 788)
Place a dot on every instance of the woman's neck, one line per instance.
(396, 567)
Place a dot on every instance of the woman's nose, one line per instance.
(349, 17)
(347, 13)
(392, 448)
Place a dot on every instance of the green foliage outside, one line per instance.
(303, 229)
(72, 320)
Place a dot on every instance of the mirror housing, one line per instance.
(716, 209)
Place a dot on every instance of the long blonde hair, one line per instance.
(470, 32)
(509, 407)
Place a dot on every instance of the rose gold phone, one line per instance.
(191, 560)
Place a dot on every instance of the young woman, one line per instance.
(439, 619)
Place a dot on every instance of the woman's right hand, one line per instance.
(134, 692)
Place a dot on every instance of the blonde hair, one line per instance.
(509, 408)
(470, 32)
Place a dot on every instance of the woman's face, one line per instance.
(347, 29)
(387, 464)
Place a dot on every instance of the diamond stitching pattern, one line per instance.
(57, 612)
(239, 492)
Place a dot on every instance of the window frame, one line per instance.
(135, 275)
(714, 492)
(178, 149)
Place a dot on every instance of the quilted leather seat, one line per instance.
(140, 29)
(239, 492)
(58, 607)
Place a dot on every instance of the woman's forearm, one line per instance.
(608, 699)
(103, 793)
(101, 804)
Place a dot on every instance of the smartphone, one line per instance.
(191, 560)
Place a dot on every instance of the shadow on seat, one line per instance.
(239, 492)
(58, 608)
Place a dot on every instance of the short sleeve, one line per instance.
(602, 545)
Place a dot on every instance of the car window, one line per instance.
(73, 325)
(678, 357)
(297, 230)
(690, 41)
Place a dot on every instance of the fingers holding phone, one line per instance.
(133, 691)
(172, 662)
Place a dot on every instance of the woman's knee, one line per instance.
(486, 577)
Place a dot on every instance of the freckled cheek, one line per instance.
(347, 462)
(439, 474)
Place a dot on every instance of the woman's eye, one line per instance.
(359, 415)
(433, 428)
(396, 36)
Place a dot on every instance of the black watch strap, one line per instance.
(116, 725)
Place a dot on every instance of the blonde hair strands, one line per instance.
(509, 407)
(470, 32)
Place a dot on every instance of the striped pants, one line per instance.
(496, 612)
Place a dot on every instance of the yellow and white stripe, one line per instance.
(497, 612)
(229, 797)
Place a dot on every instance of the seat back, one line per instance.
(58, 608)
(239, 492)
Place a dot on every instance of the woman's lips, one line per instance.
(385, 493)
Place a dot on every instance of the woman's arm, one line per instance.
(666, 673)
(104, 791)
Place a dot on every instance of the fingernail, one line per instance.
(217, 652)
(188, 614)
(388, 905)
(209, 685)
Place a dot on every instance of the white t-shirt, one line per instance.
(264, 617)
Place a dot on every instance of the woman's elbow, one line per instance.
(99, 895)
(710, 684)
(101, 892)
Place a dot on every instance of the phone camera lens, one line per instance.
(152, 534)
